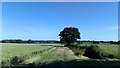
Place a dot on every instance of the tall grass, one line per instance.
(23, 51)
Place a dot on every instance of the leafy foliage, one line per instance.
(69, 35)
(95, 52)
(16, 60)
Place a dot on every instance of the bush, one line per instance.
(94, 52)
(16, 60)
(77, 49)
(78, 52)
(108, 56)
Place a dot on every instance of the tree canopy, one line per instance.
(69, 35)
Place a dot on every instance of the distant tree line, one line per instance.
(28, 41)
(99, 42)
(55, 41)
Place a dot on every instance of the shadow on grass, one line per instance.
(72, 64)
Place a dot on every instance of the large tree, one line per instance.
(69, 35)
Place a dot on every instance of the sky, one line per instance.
(45, 20)
(60, 0)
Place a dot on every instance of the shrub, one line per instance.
(77, 49)
(78, 52)
(94, 52)
(16, 60)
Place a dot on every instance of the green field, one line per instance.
(21, 50)
(111, 49)
(31, 53)
(108, 48)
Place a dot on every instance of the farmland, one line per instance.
(47, 53)
(108, 48)
(21, 50)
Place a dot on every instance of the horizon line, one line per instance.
(56, 39)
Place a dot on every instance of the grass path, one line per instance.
(76, 57)
(56, 53)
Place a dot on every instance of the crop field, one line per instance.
(46, 53)
(21, 50)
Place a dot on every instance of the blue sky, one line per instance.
(44, 20)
